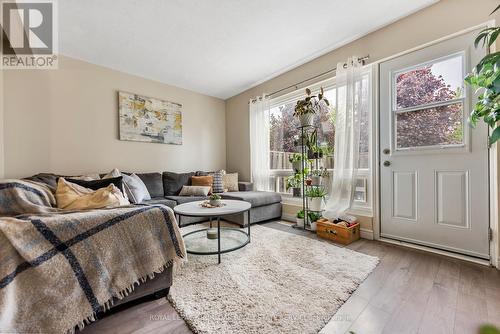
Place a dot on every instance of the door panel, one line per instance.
(434, 168)
(405, 195)
(452, 204)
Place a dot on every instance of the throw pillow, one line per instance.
(87, 177)
(217, 185)
(71, 196)
(205, 181)
(113, 174)
(194, 191)
(135, 189)
(98, 184)
(173, 182)
(230, 181)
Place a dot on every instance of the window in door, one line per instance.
(428, 104)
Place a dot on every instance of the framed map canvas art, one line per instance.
(151, 120)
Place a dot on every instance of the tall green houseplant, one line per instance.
(485, 78)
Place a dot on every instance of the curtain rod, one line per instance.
(296, 85)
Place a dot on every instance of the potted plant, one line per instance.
(317, 176)
(306, 108)
(313, 217)
(316, 196)
(215, 200)
(300, 218)
(296, 161)
(294, 182)
(312, 148)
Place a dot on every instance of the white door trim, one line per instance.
(493, 168)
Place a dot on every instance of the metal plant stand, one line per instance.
(306, 130)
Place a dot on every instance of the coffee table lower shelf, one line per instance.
(231, 239)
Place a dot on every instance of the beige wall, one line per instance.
(442, 19)
(66, 121)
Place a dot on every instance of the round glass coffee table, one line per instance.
(214, 241)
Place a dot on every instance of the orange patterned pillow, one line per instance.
(203, 181)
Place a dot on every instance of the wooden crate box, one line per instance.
(338, 233)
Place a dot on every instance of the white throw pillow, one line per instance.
(194, 191)
(71, 196)
(116, 173)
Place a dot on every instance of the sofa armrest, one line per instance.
(245, 186)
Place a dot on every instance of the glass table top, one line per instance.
(197, 242)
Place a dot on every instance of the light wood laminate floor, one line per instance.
(409, 292)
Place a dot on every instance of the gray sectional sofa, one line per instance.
(164, 189)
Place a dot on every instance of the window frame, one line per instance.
(364, 208)
(464, 100)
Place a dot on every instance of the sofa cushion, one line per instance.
(255, 198)
(186, 199)
(153, 182)
(173, 182)
(161, 200)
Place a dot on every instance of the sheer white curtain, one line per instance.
(351, 98)
(259, 143)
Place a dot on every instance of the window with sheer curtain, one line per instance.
(284, 129)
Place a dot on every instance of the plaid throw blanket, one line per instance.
(57, 270)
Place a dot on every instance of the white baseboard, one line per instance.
(366, 234)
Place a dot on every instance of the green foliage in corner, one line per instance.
(485, 78)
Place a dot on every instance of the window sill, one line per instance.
(357, 209)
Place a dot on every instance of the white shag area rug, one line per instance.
(279, 283)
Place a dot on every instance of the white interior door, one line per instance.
(434, 167)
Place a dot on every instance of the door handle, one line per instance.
(387, 163)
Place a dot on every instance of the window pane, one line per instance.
(284, 130)
(429, 127)
(437, 82)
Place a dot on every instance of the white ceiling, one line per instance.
(217, 47)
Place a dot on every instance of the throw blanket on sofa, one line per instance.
(58, 269)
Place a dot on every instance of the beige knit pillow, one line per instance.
(230, 181)
(71, 196)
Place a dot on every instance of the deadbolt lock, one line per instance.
(386, 151)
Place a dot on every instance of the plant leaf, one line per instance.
(493, 37)
(498, 7)
(495, 135)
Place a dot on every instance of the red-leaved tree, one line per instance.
(433, 126)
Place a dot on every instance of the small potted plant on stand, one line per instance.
(306, 108)
(296, 161)
(313, 217)
(318, 175)
(316, 196)
(300, 218)
(215, 200)
(294, 182)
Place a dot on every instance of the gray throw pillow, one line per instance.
(136, 189)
